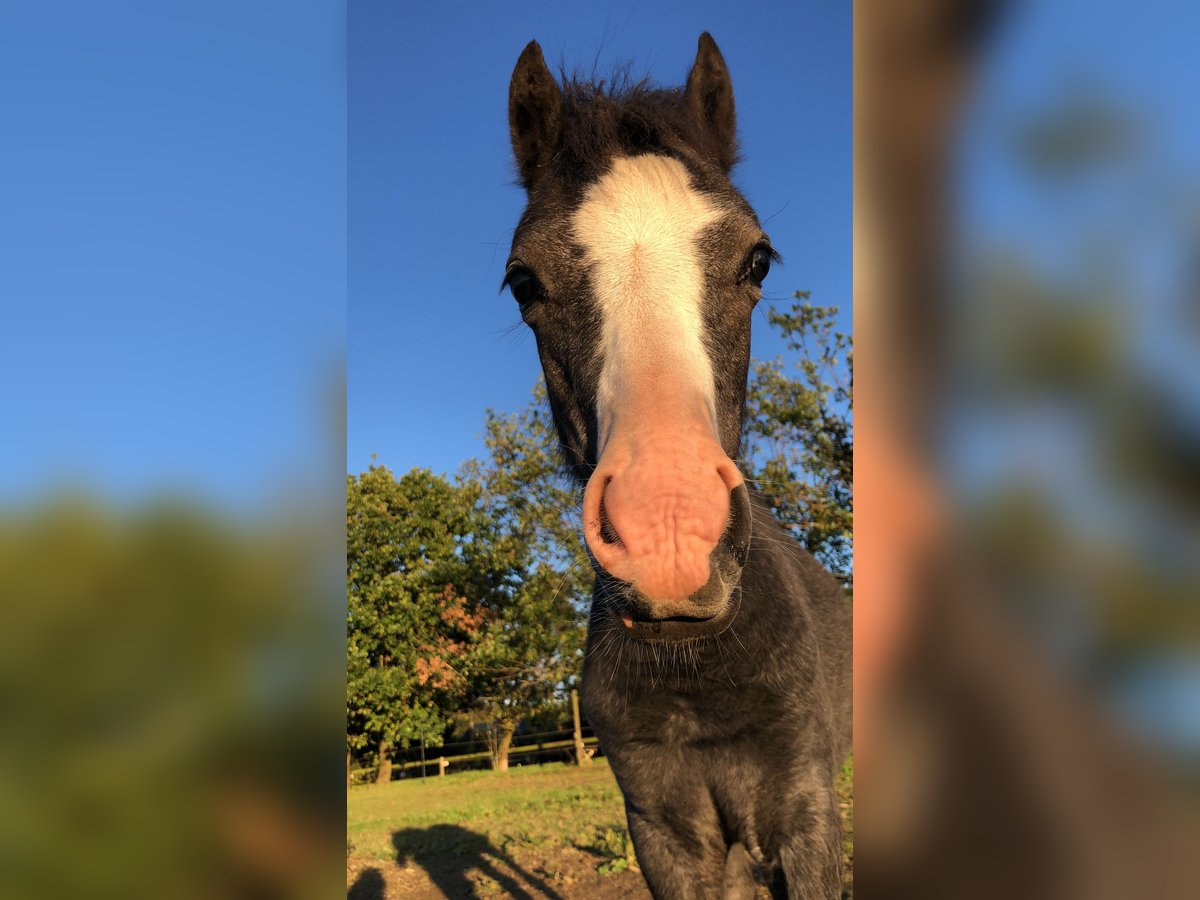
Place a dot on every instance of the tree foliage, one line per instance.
(466, 599)
(798, 436)
(409, 624)
(540, 575)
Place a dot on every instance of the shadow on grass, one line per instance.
(367, 886)
(449, 852)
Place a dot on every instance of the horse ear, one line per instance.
(534, 113)
(709, 95)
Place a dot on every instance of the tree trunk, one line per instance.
(385, 764)
(348, 782)
(503, 743)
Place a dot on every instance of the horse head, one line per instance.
(637, 265)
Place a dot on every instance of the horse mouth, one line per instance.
(714, 606)
(679, 628)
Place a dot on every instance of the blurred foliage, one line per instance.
(166, 699)
(1071, 413)
(798, 439)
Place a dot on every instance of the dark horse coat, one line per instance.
(717, 674)
(733, 739)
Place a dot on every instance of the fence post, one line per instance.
(442, 763)
(581, 756)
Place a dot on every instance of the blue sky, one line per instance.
(174, 219)
(173, 272)
(176, 256)
(432, 344)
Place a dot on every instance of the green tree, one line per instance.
(540, 578)
(409, 624)
(798, 437)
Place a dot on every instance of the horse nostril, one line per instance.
(737, 532)
(608, 534)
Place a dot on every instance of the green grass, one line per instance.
(845, 788)
(558, 822)
(532, 806)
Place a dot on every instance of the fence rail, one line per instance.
(522, 746)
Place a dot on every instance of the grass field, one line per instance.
(535, 831)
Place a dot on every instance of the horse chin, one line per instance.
(678, 629)
(713, 607)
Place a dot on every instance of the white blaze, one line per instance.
(639, 226)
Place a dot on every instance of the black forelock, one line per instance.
(602, 119)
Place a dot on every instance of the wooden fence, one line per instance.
(524, 746)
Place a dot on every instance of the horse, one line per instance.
(717, 666)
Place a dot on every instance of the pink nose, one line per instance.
(654, 510)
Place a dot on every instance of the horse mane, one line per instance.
(621, 116)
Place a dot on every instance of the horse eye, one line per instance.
(523, 285)
(760, 265)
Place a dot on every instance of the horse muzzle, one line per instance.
(704, 612)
